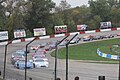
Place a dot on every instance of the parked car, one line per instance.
(20, 64)
(40, 63)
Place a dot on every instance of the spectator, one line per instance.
(30, 78)
(76, 78)
(58, 79)
(110, 48)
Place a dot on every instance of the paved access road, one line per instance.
(86, 71)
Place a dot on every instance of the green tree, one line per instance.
(64, 5)
(14, 18)
(39, 14)
(1, 17)
(101, 8)
(112, 3)
(91, 24)
(97, 21)
(115, 13)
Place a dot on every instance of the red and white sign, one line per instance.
(61, 29)
(4, 35)
(39, 31)
(19, 33)
(81, 27)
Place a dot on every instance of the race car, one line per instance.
(16, 56)
(75, 40)
(35, 47)
(88, 38)
(20, 64)
(40, 63)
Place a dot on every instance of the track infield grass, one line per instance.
(88, 51)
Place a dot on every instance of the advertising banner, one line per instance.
(81, 27)
(60, 29)
(105, 25)
(19, 33)
(3, 35)
(39, 31)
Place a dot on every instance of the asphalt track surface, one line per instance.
(85, 70)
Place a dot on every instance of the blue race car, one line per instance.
(20, 64)
(22, 52)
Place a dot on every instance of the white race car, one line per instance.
(40, 63)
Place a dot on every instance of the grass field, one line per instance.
(87, 51)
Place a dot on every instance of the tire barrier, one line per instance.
(108, 56)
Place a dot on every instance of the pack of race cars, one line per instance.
(36, 58)
(37, 52)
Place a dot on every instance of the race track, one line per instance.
(86, 71)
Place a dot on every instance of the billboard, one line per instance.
(19, 33)
(39, 31)
(105, 25)
(82, 27)
(60, 29)
(3, 35)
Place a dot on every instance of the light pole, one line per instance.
(67, 55)
(56, 56)
(26, 58)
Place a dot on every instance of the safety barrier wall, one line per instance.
(108, 56)
(59, 35)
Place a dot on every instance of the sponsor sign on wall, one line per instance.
(60, 29)
(4, 35)
(39, 31)
(81, 27)
(19, 33)
(105, 24)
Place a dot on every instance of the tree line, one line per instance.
(30, 14)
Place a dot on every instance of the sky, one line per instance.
(73, 3)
